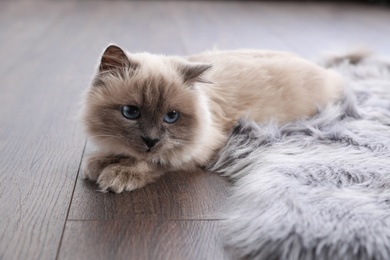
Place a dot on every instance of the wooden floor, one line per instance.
(49, 51)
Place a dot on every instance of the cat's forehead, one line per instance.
(151, 65)
(154, 90)
(157, 93)
(156, 83)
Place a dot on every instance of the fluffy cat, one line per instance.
(150, 114)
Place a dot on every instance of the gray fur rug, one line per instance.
(317, 188)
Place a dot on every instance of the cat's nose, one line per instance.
(150, 142)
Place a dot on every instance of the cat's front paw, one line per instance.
(96, 164)
(119, 178)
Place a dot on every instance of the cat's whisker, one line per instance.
(108, 136)
(84, 121)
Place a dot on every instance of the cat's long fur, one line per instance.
(210, 91)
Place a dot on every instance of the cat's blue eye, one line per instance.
(171, 117)
(130, 112)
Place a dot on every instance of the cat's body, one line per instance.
(151, 114)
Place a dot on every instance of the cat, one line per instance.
(151, 114)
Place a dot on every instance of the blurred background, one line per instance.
(49, 51)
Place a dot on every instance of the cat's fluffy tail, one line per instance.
(354, 56)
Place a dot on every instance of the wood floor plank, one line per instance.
(222, 25)
(313, 28)
(22, 26)
(40, 152)
(367, 25)
(144, 239)
(177, 195)
(134, 25)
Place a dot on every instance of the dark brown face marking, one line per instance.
(155, 91)
(154, 96)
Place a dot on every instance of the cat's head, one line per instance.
(147, 106)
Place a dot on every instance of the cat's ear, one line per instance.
(113, 59)
(193, 72)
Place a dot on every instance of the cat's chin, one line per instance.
(168, 158)
(150, 155)
(147, 154)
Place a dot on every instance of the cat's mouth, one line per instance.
(150, 150)
(147, 152)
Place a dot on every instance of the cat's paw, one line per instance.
(119, 178)
(95, 165)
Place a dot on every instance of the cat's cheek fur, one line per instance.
(208, 137)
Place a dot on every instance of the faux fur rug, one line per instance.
(318, 188)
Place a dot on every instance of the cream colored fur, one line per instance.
(259, 85)
(267, 85)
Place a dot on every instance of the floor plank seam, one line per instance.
(70, 201)
(143, 219)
